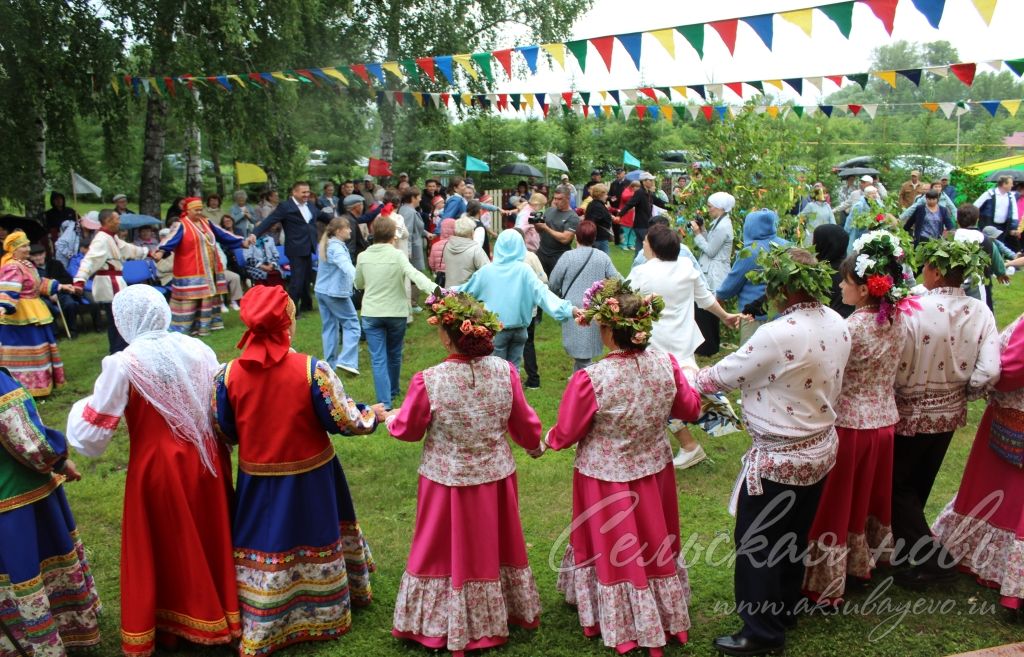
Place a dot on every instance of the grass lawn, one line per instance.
(382, 476)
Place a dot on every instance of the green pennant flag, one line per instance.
(617, 110)
(483, 60)
(458, 99)
(859, 78)
(585, 95)
(694, 34)
(798, 110)
(630, 159)
(473, 164)
(411, 70)
(841, 14)
(515, 99)
(757, 84)
(578, 49)
(300, 78)
(1015, 65)
(666, 91)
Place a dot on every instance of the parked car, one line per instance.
(317, 159)
(440, 163)
(930, 167)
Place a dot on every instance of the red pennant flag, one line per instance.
(186, 77)
(427, 64)
(128, 80)
(854, 109)
(641, 111)
(445, 97)
(258, 79)
(735, 87)
(379, 168)
(567, 97)
(399, 98)
(835, 79)
(544, 108)
(649, 92)
(885, 10)
(603, 45)
(964, 72)
(727, 30)
(169, 83)
(503, 101)
(504, 58)
(586, 111)
(360, 70)
(707, 111)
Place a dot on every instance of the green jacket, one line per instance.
(381, 271)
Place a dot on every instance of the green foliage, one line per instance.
(782, 274)
(966, 258)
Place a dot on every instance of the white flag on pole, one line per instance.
(555, 162)
(83, 186)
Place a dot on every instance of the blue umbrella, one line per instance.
(133, 221)
(634, 175)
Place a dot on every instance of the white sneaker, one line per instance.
(235, 306)
(224, 309)
(686, 459)
(345, 368)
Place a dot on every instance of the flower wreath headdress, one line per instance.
(601, 302)
(948, 253)
(876, 252)
(461, 309)
(779, 271)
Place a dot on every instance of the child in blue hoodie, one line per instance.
(759, 232)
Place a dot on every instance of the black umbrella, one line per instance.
(857, 171)
(1017, 175)
(519, 169)
(33, 229)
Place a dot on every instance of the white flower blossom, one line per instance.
(863, 264)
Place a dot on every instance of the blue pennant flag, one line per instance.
(380, 98)
(762, 25)
(912, 74)
(654, 112)
(598, 112)
(615, 95)
(633, 45)
(990, 105)
(376, 71)
(797, 84)
(444, 63)
(826, 110)
(932, 10)
(223, 79)
(721, 109)
(699, 90)
(268, 77)
(529, 53)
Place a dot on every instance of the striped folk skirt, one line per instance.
(30, 353)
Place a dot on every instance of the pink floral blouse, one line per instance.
(867, 399)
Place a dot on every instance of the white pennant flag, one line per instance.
(715, 90)
(631, 94)
(947, 108)
(554, 162)
(810, 110)
(941, 71)
(82, 186)
(962, 109)
(694, 110)
(815, 82)
(759, 109)
(996, 64)
(871, 109)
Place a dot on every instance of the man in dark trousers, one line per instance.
(297, 217)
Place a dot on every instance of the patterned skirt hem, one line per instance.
(992, 554)
(143, 644)
(428, 610)
(624, 614)
(829, 565)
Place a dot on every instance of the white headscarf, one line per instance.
(171, 371)
(723, 201)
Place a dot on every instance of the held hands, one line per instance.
(157, 255)
(71, 472)
(733, 320)
(537, 453)
(379, 412)
(67, 287)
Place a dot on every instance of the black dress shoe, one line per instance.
(737, 644)
(919, 579)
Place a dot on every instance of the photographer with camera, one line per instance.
(557, 229)
(715, 241)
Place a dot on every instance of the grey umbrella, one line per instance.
(520, 169)
(1017, 175)
(857, 171)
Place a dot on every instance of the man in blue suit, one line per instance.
(297, 217)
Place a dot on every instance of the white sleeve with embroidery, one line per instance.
(92, 420)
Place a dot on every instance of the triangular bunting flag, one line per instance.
(885, 10)
(962, 108)
(715, 91)
(528, 100)
(797, 84)
(708, 111)
(693, 110)
(578, 49)
(986, 8)
(336, 74)
(649, 92)
(912, 74)
(444, 64)
(995, 64)
(665, 91)
(859, 78)
(726, 30)
(931, 107)
(567, 97)
(504, 58)
(641, 111)
(381, 98)
(1011, 106)
(815, 82)
(586, 111)
(694, 35)
(666, 112)
(529, 53)
(465, 61)
(932, 10)
(427, 64)
(654, 112)
(483, 60)
(722, 110)
(871, 109)
(633, 43)
(990, 105)
(398, 97)
(947, 108)
(699, 90)
(773, 111)
(667, 39)
(358, 69)
(631, 94)
(826, 110)
(544, 108)
(598, 112)
(234, 78)
(757, 84)
(615, 96)
(1015, 65)
(616, 110)
(394, 69)
(835, 79)
(375, 69)
(155, 86)
(762, 26)
(428, 100)
(515, 100)
(626, 111)
(938, 71)
(585, 96)
(802, 18)
(445, 98)
(841, 14)
(736, 88)
(964, 72)
(888, 76)
(457, 99)
(798, 110)
(759, 109)
(681, 91)
(603, 46)
(556, 51)
(775, 83)
(854, 109)
(418, 97)
(169, 84)
(467, 99)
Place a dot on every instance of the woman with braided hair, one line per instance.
(468, 576)
(615, 411)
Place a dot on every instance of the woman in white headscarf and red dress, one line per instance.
(177, 574)
(300, 557)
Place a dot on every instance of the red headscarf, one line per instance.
(191, 203)
(268, 312)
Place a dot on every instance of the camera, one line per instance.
(536, 217)
(699, 219)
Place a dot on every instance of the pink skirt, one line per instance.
(852, 530)
(623, 569)
(984, 524)
(468, 575)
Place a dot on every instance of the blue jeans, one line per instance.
(509, 344)
(384, 338)
(641, 235)
(335, 313)
(601, 245)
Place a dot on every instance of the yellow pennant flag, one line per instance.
(467, 99)
(557, 52)
(773, 111)
(681, 91)
(156, 87)
(335, 73)
(528, 100)
(608, 111)
(931, 107)
(394, 69)
(667, 39)
(238, 80)
(888, 76)
(775, 83)
(802, 18)
(418, 97)
(1011, 106)
(465, 61)
(116, 85)
(281, 76)
(666, 112)
(986, 8)
(246, 173)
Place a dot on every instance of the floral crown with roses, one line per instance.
(601, 302)
(880, 255)
(449, 309)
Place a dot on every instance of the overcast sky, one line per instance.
(793, 53)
